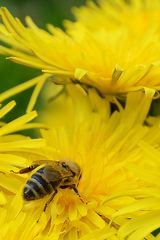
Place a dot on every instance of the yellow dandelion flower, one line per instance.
(113, 14)
(119, 188)
(113, 55)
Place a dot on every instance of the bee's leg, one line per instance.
(26, 170)
(50, 200)
(76, 191)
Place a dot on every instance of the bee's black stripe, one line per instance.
(46, 185)
(34, 187)
(29, 193)
(39, 185)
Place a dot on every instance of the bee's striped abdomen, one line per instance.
(38, 185)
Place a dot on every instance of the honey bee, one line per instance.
(49, 178)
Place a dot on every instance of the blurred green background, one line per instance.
(42, 12)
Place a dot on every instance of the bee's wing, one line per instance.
(51, 174)
(53, 163)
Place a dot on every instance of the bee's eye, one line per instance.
(64, 165)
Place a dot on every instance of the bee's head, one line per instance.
(71, 166)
